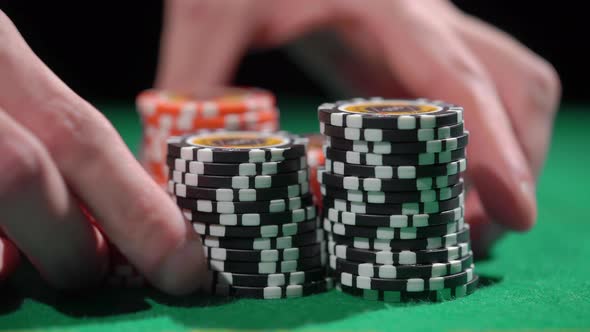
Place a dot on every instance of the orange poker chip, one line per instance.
(315, 159)
(230, 121)
(226, 101)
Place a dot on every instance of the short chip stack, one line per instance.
(164, 114)
(393, 199)
(247, 194)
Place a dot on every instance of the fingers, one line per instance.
(202, 42)
(41, 217)
(9, 257)
(484, 231)
(432, 61)
(528, 85)
(97, 166)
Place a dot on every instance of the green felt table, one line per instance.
(533, 281)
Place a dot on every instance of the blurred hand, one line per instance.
(428, 48)
(57, 151)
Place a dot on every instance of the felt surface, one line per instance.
(533, 281)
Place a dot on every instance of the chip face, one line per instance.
(390, 107)
(237, 140)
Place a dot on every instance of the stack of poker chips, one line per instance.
(247, 195)
(393, 199)
(164, 114)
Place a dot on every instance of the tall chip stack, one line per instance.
(393, 201)
(164, 114)
(247, 195)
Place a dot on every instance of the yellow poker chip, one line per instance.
(237, 147)
(379, 113)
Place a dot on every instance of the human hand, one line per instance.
(426, 48)
(57, 152)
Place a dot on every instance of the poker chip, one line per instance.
(269, 255)
(390, 271)
(241, 182)
(237, 195)
(267, 280)
(255, 219)
(420, 159)
(440, 295)
(415, 285)
(393, 209)
(243, 169)
(405, 257)
(400, 114)
(434, 146)
(328, 178)
(396, 172)
(389, 233)
(435, 242)
(380, 135)
(393, 199)
(274, 292)
(223, 102)
(237, 147)
(267, 267)
(284, 242)
(286, 229)
(396, 220)
(276, 205)
(316, 159)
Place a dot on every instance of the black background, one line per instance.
(107, 49)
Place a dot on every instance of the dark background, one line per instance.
(107, 50)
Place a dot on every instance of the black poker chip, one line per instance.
(330, 179)
(274, 292)
(256, 219)
(395, 172)
(237, 195)
(275, 205)
(394, 209)
(395, 220)
(299, 240)
(267, 267)
(434, 242)
(403, 114)
(380, 135)
(440, 295)
(222, 146)
(270, 231)
(394, 197)
(439, 145)
(388, 233)
(267, 280)
(404, 257)
(268, 255)
(244, 169)
(373, 159)
(414, 285)
(239, 181)
(401, 271)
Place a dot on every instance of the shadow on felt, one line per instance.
(106, 305)
(195, 311)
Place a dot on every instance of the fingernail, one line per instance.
(184, 270)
